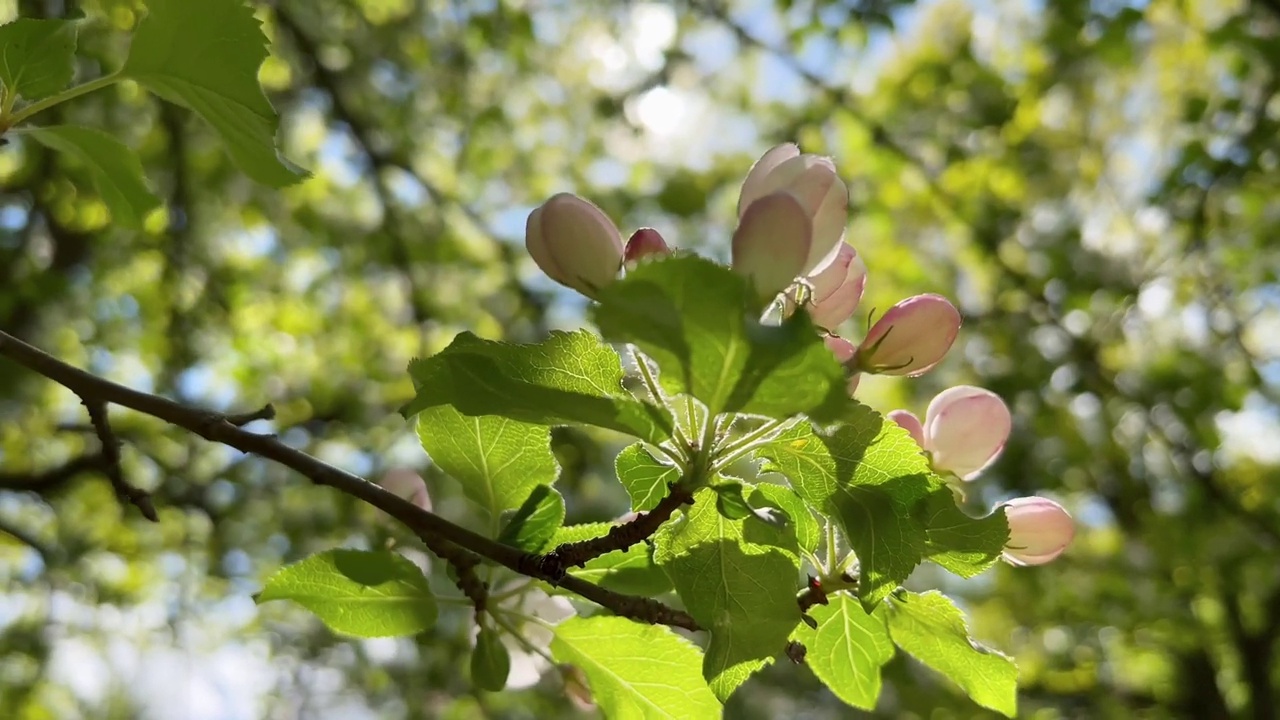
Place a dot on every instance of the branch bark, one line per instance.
(434, 531)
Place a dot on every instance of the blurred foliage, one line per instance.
(1093, 182)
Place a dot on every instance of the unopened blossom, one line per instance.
(574, 243)
(844, 352)
(813, 181)
(644, 243)
(964, 430)
(407, 484)
(911, 337)
(1039, 530)
(837, 290)
(772, 242)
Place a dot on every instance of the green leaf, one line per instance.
(962, 544)
(632, 571)
(738, 579)
(116, 171)
(644, 476)
(536, 521)
(490, 661)
(848, 649)
(636, 672)
(870, 476)
(567, 378)
(694, 318)
(929, 628)
(205, 56)
(37, 57)
(357, 592)
(498, 461)
(730, 501)
(798, 516)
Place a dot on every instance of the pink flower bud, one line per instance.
(965, 429)
(814, 182)
(911, 337)
(574, 243)
(771, 242)
(837, 290)
(841, 348)
(645, 242)
(910, 423)
(407, 484)
(1039, 530)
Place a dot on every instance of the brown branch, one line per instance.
(125, 490)
(433, 530)
(619, 537)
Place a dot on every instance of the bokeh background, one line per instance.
(1095, 183)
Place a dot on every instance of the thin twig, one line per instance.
(432, 529)
(125, 490)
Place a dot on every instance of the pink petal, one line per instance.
(645, 242)
(966, 428)
(1039, 530)
(840, 304)
(576, 244)
(910, 423)
(756, 185)
(911, 337)
(771, 242)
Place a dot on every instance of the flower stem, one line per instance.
(748, 442)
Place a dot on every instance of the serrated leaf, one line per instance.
(37, 57)
(115, 169)
(569, 378)
(498, 461)
(868, 474)
(848, 649)
(738, 579)
(535, 521)
(205, 56)
(798, 516)
(636, 672)
(962, 544)
(632, 571)
(357, 592)
(694, 319)
(490, 661)
(644, 476)
(929, 628)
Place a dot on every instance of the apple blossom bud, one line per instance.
(910, 423)
(911, 337)
(771, 242)
(407, 484)
(814, 182)
(645, 242)
(838, 289)
(841, 348)
(965, 429)
(574, 243)
(1039, 530)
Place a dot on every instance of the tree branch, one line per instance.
(619, 537)
(434, 531)
(136, 496)
(53, 479)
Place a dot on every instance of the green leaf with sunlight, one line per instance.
(205, 56)
(498, 461)
(357, 592)
(37, 57)
(569, 378)
(490, 661)
(962, 544)
(848, 649)
(645, 477)
(636, 671)
(869, 475)
(797, 515)
(631, 571)
(115, 169)
(931, 629)
(738, 579)
(694, 318)
(535, 521)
